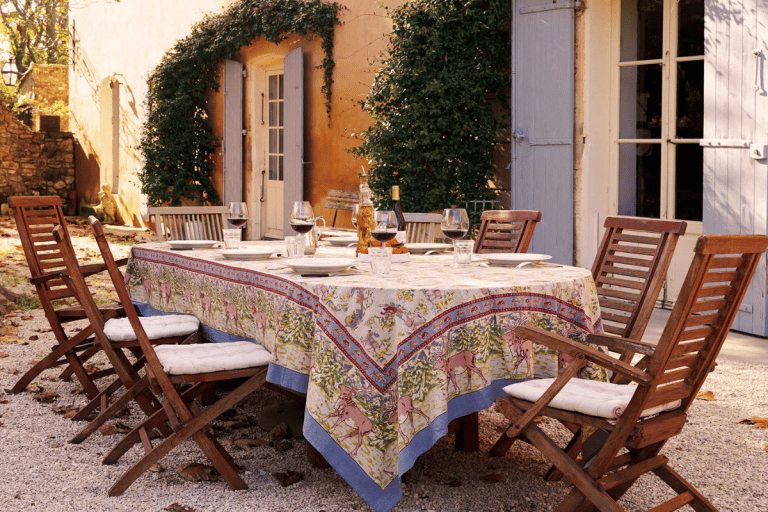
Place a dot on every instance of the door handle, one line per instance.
(519, 135)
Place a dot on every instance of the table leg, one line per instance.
(315, 458)
(467, 431)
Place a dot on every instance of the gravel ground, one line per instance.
(40, 470)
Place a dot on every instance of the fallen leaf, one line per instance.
(279, 432)
(46, 397)
(34, 337)
(117, 428)
(67, 410)
(175, 507)
(282, 445)
(756, 422)
(247, 443)
(289, 477)
(12, 339)
(196, 472)
(706, 395)
(4, 354)
(13, 371)
(156, 468)
(3, 401)
(34, 388)
(493, 478)
(235, 424)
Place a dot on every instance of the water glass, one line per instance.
(462, 251)
(294, 246)
(232, 238)
(381, 259)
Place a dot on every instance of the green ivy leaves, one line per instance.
(434, 128)
(177, 141)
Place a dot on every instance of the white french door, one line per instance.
(274, 155)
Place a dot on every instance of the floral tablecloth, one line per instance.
(386, 361)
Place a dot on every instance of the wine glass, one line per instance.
(355, 212)
(455, 224)
(302, 217)
(237, 215)
(386, 226)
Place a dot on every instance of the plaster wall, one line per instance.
(118, 45)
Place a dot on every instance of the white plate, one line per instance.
(319, 265)
(396, 258)
(192, 244)
(341, 241)
(513, 259)
(247, 254)
(422, 248)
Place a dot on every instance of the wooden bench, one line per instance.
(341, 200)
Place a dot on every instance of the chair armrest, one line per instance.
(44, 278)
(569, 346)
(619, 344)
(95, 268)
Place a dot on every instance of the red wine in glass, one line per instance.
(384, 236)
(237, 222)
(302, 227)
(455, 234)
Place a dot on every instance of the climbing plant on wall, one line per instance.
(435, 102)
(177, 140)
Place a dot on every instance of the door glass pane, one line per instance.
(273, 87)
(641, 29)
(640, 171)
(640, 102)
(691, 28)
(280, 163)
(689, 198)
(690, 100)
(280, 87)
(273, 168)
(273, 143)
(273, 114)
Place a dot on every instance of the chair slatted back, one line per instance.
(718, 278)
(189, 222)
(422, 227)
(35, 218)
(629, 270)
(506, 230)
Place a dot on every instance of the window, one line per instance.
(275, 153)
(661, 110)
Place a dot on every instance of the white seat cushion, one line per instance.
(156, 327)
(211, 357)
(594, 398)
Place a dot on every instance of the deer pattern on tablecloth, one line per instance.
(383, 365)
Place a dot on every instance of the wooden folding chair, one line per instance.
(422, 227)
(171, 365)
(114, 337)
(189, 222)
(629, 269)
(506, 230)
(35, 218)
(639, 419)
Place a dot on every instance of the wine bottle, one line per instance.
(398, 209)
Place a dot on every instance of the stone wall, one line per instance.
(46, 84)
(34, 163)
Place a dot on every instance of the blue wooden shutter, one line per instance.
(735, 115)
(233, 132)
(542, 123)
(293, 184)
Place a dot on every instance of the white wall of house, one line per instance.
(117, 45)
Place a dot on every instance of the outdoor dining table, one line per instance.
(386, 361)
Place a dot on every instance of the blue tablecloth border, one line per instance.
(381, 500)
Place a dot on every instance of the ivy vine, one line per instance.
(439, 103)
(177, 140)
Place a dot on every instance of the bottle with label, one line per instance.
(398, 209)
